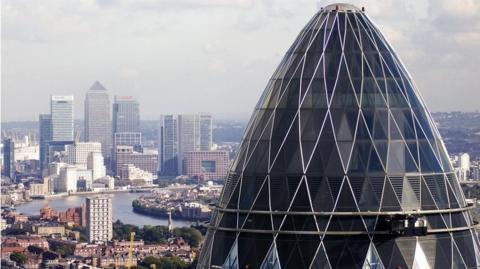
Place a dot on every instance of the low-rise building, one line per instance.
(26, 241)
(47, 228)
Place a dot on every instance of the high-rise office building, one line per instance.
(206, 123)
(78, 153)
(9, 158)
(99, 218)
(168, 145)
(45, 131)
(126, 114)
(188, 137)
(98, 124)
(61, 111)
(128, 139)
(341, 165)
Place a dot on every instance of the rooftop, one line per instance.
(341, 7)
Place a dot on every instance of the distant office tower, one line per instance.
(475, 171)
(205, 131)
(168, 145)
(341, 165)
(188, 137)
(128, 139)
(95, 162)
(9, 158)
(99, 219)
(98, 124)
(78, 153)
(206, 165)
(61, 110)
(45, 131)
(127, 155)
(464, 166)
(126, 114)
(133, 139)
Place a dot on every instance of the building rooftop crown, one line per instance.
(341, 7)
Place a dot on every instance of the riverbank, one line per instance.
(121, 205)
(162, 213)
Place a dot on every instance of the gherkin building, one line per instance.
(341, 165)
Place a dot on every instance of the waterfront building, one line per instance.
(126, 114)
(98, 124)
(206, 122)
(61, 111)
(131, 173)
(67, 179)
(78, 153)
(95, 163)
(145, 161)
(207, 165)
(99, 218)
(84, 179)
(341, 165)
(54, 168)
(168, 145)
(107, 181)
(45, 131)
(40, 189)
(9, 158)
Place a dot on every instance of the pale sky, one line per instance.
(184, 56)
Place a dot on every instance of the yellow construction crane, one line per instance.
(130, 252)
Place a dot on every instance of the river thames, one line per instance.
(121, 204)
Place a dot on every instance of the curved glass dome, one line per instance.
(341, 165)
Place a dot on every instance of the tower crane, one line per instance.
(130, 251)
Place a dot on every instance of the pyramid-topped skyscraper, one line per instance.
(341, 165)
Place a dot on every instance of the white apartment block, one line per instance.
(99, 218)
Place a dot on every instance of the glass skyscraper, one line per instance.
(168, 145)
(341, 165)
(188, 137)
(45, 131)
(205, 131)
(9, 158)
(61, 110)
(126, 114)
(98, 124)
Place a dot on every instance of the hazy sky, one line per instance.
(181, 56)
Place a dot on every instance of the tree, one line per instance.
(18, 257)
(165, 262)
(191, 235)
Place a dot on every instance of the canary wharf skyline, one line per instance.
(212, 51)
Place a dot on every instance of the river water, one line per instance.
(121, 203)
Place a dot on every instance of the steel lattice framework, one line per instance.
(341, 165)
